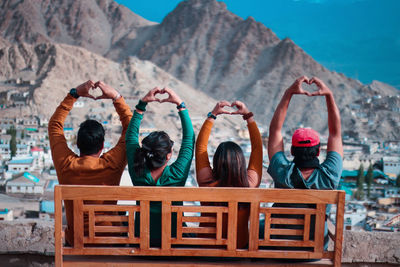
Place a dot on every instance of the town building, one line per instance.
(6, 215)
(391, 166)
(21, 164)
(26, 183)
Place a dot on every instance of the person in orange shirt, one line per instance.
(90, 167)
(229, 165)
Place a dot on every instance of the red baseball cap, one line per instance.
(305, 137)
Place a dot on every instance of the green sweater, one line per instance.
(173, 175)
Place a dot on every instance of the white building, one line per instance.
(25, 183)
(21, 164)
(391, 166)
(6, 215)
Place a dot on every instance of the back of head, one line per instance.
(229, 165)
(153, 153)
(305, 147)
(90, 137)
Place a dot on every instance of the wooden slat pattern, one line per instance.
(254, 226)
(108, 218)
(339, 229)
(319, 228)
(199, 219)
(287, 221)
(199, 241)
(306, 228)
(166, 225)
(267, 226)
(232, 224)
(78, 223)
(179, 225)
(111, 229)
(144, 224)
(282, 231)
(287, 243)
(207, 209)
(288, 210)
(105, 219)
(58, 227)
(199, 230)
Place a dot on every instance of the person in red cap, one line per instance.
(305, 171)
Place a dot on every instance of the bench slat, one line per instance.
(207, 219)
(198, 230)
(206, 194)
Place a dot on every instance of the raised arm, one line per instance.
(118, 153)
(58, 143)
(334, 124)
(254, 169)
(132, 133)
(275, 141)
(180, 168)
(203, 168)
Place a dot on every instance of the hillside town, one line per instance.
(371, 175)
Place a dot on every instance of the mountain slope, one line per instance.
(95, 25)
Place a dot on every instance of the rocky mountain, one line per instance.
(93, 24)
(204, 45)
(60, 67)
(212, 49)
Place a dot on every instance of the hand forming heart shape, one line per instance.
(296, 87)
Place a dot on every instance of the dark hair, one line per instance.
(229, 165)
(90, 137)
(305, 153)
(153, 152)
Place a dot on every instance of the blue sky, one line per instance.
(360, 38)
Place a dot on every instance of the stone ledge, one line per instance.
(37, 237)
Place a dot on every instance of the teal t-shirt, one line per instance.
(285, 175)
(175, 174)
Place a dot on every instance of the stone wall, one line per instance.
(37, 237)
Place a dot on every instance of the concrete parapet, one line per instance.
(37, 237)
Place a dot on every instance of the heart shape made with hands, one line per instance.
(310, 87)
(162, 95)
(96, 92)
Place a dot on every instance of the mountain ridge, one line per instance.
(207, 47)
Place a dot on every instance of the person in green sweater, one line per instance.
(147, 164)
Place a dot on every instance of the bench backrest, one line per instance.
(118, 226)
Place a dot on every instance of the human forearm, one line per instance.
(201, 146)
(186, 150)
(334, 123)
(255, 161)
(56, 123)
(132, 133)
(275, 142)
(124, 112)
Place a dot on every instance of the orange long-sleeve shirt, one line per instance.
(86, 170)
(255, 164)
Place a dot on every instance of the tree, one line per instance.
(398, 181)
(13, 141)
(360, 176)
(359, 194)
(369, 179)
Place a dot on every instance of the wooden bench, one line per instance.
(124, 249)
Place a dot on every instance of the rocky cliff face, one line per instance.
(202, 44)
(95, 25)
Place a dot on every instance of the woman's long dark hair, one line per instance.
(153, 152)
(229, 165)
